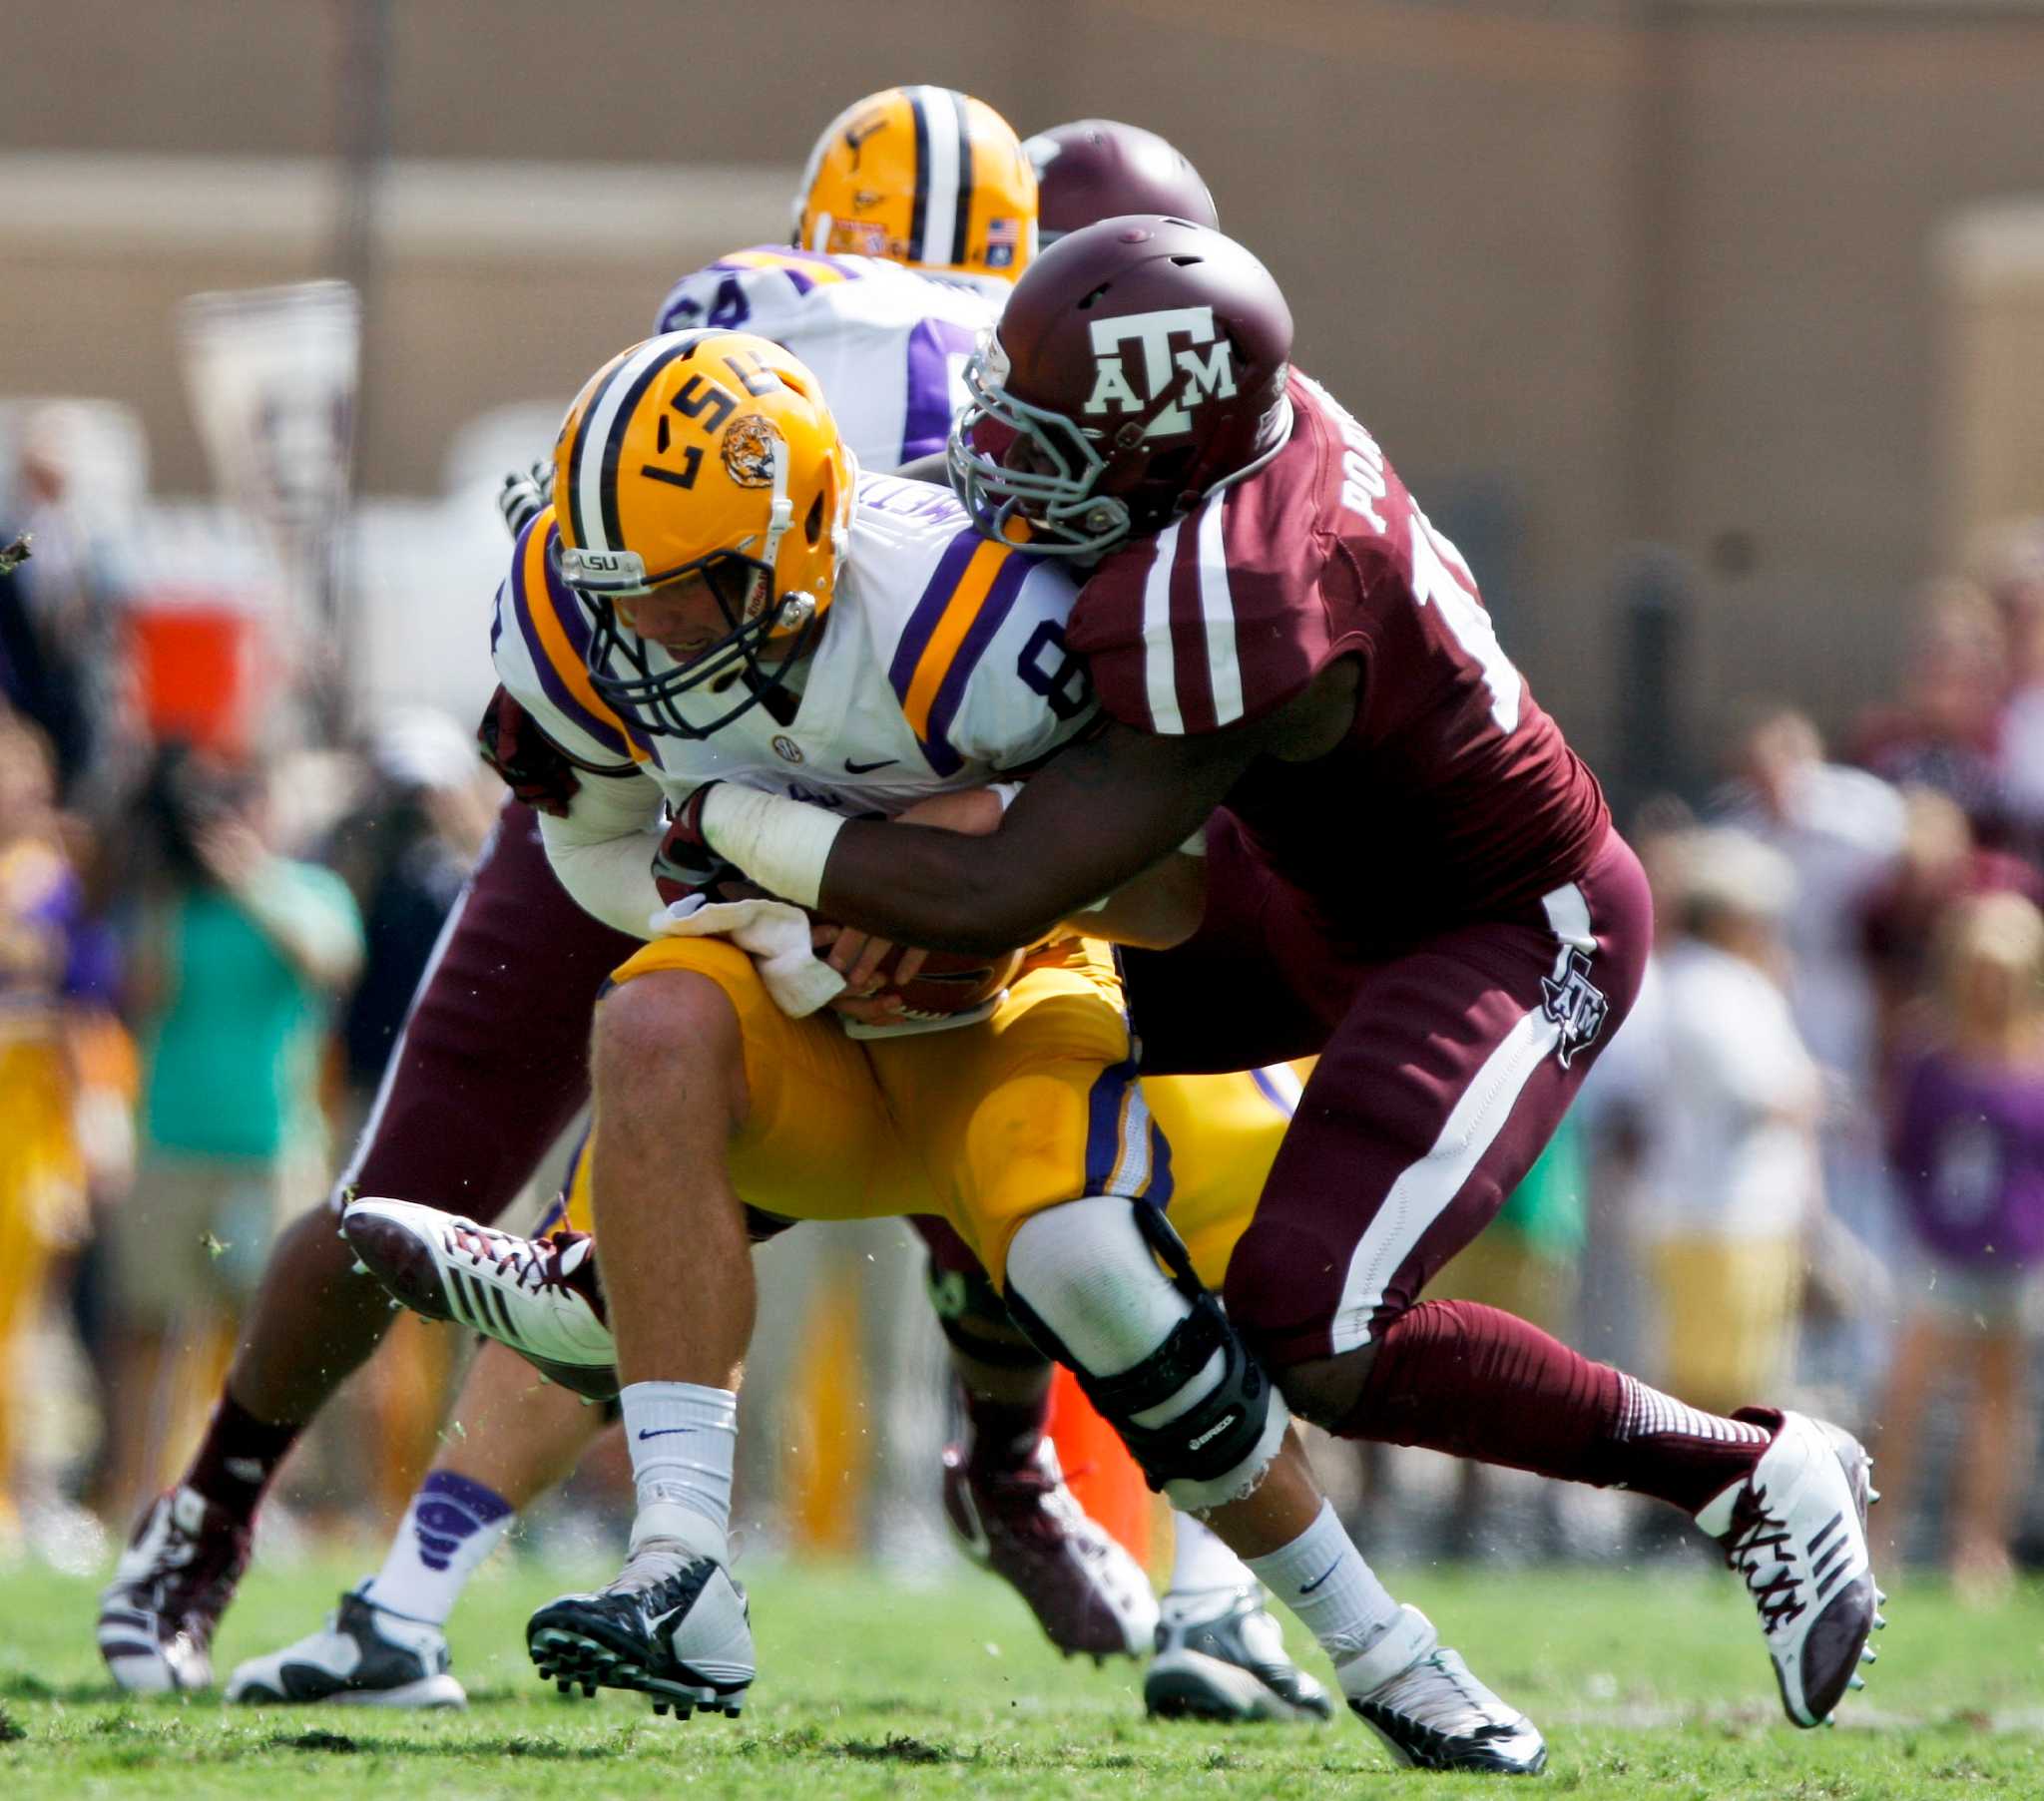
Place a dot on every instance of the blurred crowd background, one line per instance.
(1712, 329)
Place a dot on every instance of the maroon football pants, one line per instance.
(1444, 1069)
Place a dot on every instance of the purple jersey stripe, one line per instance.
(1104, 1109)
(923, 622)
(575, 623)
(993, 611)
(926, 421)
(1159, 1193)
(556, 691)
(1106, 1113)
(1271, 1092)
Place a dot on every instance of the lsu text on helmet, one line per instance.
(1095, 168)
(1139, 363)
(926, 176)
(711, 455)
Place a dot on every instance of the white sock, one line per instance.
(683, 1437)
(1322, 1577)
(1201, 1563)
(450, 1527)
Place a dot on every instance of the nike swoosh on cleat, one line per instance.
(885, 762)
(666, 1431)
(1322, 1577)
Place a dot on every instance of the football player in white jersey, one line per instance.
(721, 600)
(890, 331)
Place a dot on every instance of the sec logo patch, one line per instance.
(788, 750)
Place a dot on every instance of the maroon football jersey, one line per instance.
(1454, 796)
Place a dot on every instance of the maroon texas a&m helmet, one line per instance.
(1096, 168)
(1138, 363)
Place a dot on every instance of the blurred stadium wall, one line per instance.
(1596, 270)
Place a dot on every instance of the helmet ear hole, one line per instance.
(813, 527)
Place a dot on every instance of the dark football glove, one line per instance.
(534, 769)
(524, 495)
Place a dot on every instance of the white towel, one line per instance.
(772, 933)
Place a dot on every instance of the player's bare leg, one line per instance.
(313, 1323)
(668, 1065)
(512, 1437)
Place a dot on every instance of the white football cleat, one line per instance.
(156, 1616)
(1431, 1714)
(366, 1655)
(1795, 1531)
(540, 1296)
(1220, 1657)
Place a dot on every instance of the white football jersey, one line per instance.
(888, 343)
(940, 664)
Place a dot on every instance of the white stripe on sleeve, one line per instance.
(1217, 608)
(1160, 662)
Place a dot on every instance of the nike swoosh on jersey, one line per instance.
(857, 768)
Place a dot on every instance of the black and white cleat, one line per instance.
(540, 1296)
(1431, 1714)
(1220, 1657)
(673, 1625)
(364, 1656)
(1796, 1532)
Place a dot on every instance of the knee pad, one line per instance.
(1152, 1350)
(976, 1320)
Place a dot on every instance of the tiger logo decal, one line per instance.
(748, 448)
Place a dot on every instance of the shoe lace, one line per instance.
(532, 1264)
(656, 1561)
(1775, 1586)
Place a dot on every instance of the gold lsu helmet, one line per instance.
(926, 176)
(704, 453)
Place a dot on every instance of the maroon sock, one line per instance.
(1005, 1434)
(1477, 1383)
(238, 1457)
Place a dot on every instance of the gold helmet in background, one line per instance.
(926, 176)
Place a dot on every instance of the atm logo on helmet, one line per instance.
(1202, 368)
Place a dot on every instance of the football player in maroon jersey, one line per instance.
(1414, 876)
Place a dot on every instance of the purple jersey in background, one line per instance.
(1968, 1149)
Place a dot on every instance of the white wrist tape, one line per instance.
(1004, 793)
(781, 844)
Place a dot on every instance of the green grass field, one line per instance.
(1644, 1684)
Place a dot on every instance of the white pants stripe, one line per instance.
(1425, 1189)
